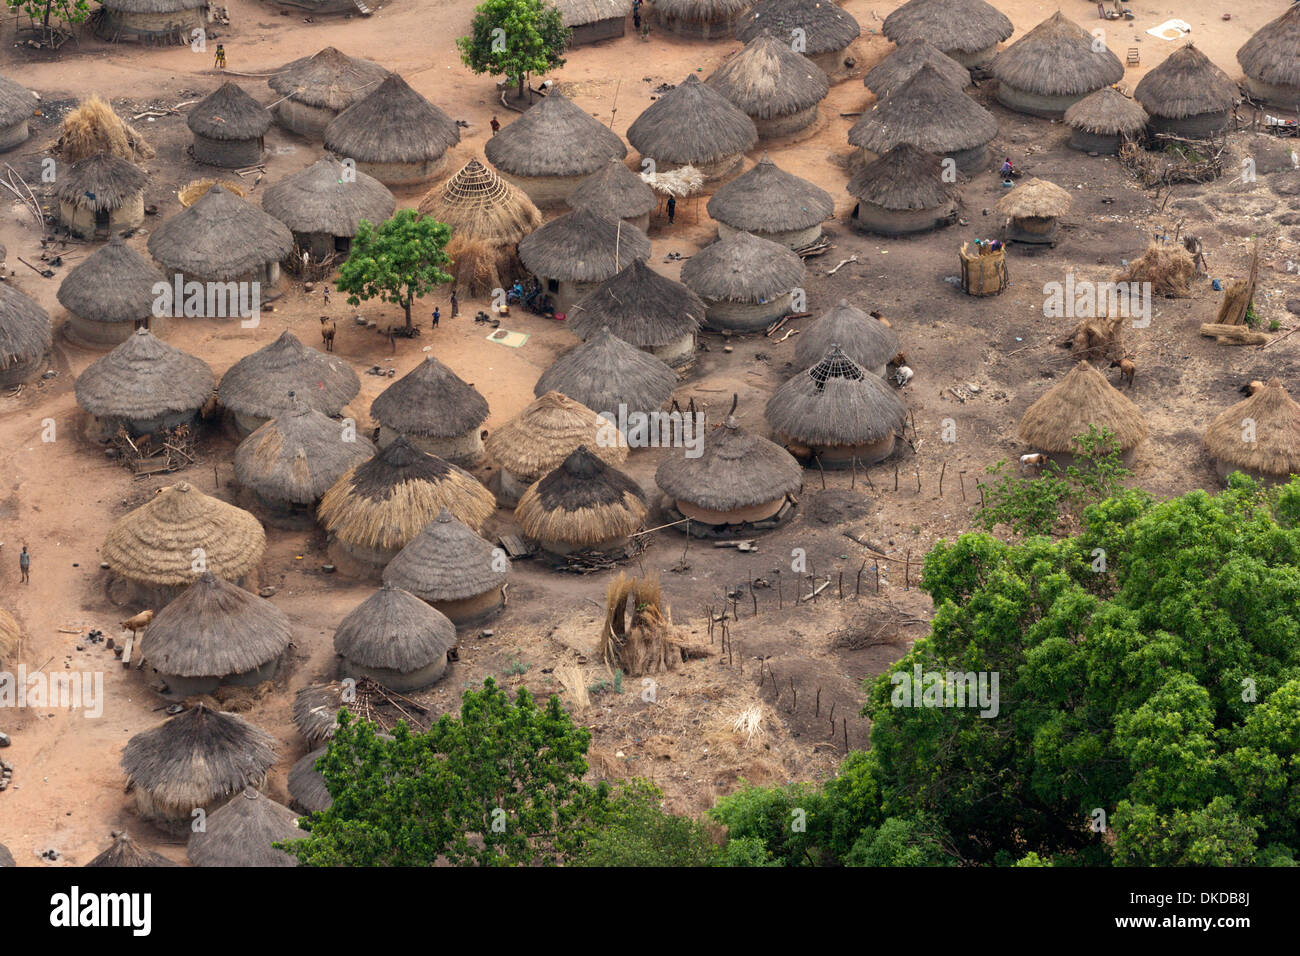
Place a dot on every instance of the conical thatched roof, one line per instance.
(480, 205)
(583, 246)
(319, 199)
(736, 470)
(394, 629)
(296, 456)
(639, 306)
(126, 853)
(387, 501)
(927, 112)
(577, 13)
(155, 543)
(259, 384)
(1108, 112)
(430, 401)
(1272, 55)
(835, 402)
(315, 711)
(1274, 445)
(701, 11)
(614, 191)
(605, 372)
(100, 182)
(10, 635)
(242, 833)
(900, 66)
(555, 137)
(827, 27)
(113, 284)
(25, 331)
(742, 268)
(1057, 58)
(220, 237)
(144, 378)
(692, 123)
(583, 502)
(1186, 84)
(153, 6)
(229, 114)
(328, 79)
(392, 124)
(552, 427)
(767, 79)
(768, 199)
(965, 26)
(6, 858)
(903, 178)
(1082, 398)
(447, 561)
(865, 340)
(1036, 198)
(307, 785)
(16, 102)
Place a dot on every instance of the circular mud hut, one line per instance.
(1102, 121)
(449, 566)
(901, 65)
(1271, 61)
(969, 31)
(616, 192)
(308, 792)
(144, 386)
(101, 195)
(221, 239)
(644, 309)
(1187, 95)
(590, 21)
(393, 134)
(25, 337)
(323, 204)
(746, 282)
(125, 853)
(825, 29)
(242, 832)
(109, 295)
(864, 339)
(317, 88)
(693, 125)
(1052, 67)
(1083, 398)
(259, 386)
(607, 374)
(583, 506)
(701, 19)
(151, 22)
(17, 106)
(396, 639)
(1259, 436)
(1033, 210)
(901, 193)
(778, 89)
(571, 255)
(772, 204)
(229, 128)
(436, 410)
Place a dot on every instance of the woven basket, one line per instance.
(193, 192)
(983, 274)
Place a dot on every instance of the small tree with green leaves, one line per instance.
(514, 39)
(69, 12)
(399, 261)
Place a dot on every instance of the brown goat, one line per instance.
(1127, 369)
(327, 330)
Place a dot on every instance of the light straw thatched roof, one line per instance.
(583, 246)
(480, 205)
(229, 114)
(113, 284)
(614, 191)
(1057, 58)
(835, 402)
(903, 178)
(1035, 199)
(692, 123)
(1274, 448)
(296, 456)
(1082, 398)
(928, 112)
(447, 561)
(577, 13)
(430, 401)
(582, 502)
(144, 378)
(742, 268)
(220, 237)
(900, 65)
(538, 439)
(307, 787)
(10, 635)
(126, 853)
(965, 26)
(16, 102)
(25, 331)
(767, 79)
(605, 372)
(394, 629)
(321, 199)
(701, 11)
(259, 384)
(328, 79)
(737, 469)
(768, 199)
(155, 543)
(1272, 55)
(826, 26)
(1186, 84)
(1108, 112)
(639, 306)
(100, 182)
(555, 137)
(392, 124)
(864, 339)
(242, 832)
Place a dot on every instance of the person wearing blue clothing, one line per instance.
(25, 565)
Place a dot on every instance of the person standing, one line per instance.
(455, 304)
(672, 209)
(636, 17)
(219, 61)
(496, 125)
(326, 289)
(25, 565)
(436, 316)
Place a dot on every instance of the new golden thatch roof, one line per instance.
(143, 379)
(1108, 112)
(447, 561)
(552, 427)
(480, 205)
(1082, 398)
(430, 401)
(1260, 434)
(767, 79)
(1272, 55)
(965, 26)
(900, 66)
(394, 630)
(737, 469)
(928, 112)
(692, 123)
(1057, 58)
(835, 402)
(1035, 199)
(582, 503)
(1186, 84)
(556, 137)
(296, 456)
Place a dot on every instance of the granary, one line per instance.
(1187, 95)
(152, 22)
(308, 792)
(152, 552)
(836, 413)
(644, 309)
(1033, 209)
(903, 192)
(606, 374)
(590, 21)
(584, 505)
(317, 88)
(215, 634)
(772, 204)
(1052, 67)
(221, 238)
(1083, 398)
(258, 387)
(1259, 436)
(144, 385)
(242, 832)
(379, 506)
(824, 29)
(693, 125)
(551, 148)
(932, 115)
(746, 282)
(488, 217)
(17, 105)
(452, 568)
(125, 853)
(101, 195)
(1271, 61)
(538, 439)
(436, 410)
(393, 134)
(10, 637)
(198, 759)
(969, 31)
(323, 204)
(777, 88)
(229, 127)
(288, 463)
(1102, 121)
(703, 19)
(396, 639)
(900, 66)
(618, 192)
(571, 255)
(863, 338)
(109, 295)
(25, 336)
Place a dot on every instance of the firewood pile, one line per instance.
(161, 452)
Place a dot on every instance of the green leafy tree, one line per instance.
(514, 39)
(399, 261)
(69, 12)
(637, 831)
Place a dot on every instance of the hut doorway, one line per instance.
(102, 222)
(343, 244)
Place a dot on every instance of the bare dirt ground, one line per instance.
(797, 661)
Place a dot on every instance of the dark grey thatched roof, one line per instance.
(742, 268)
(1057, 58)
(320, 199)
(328, 79)
(614, 191)
(393, 124)
(827, 27)
(315, 711)
(431, 401)
(692, 123)
(242, 833)
(736, 470)
(899, 66)
(125, 853)
(298, 455)
(220, 237)
(965, 26)
(928, 112)
(836, 402)
(1272, 55)
(1108, 112)
(605, 372)
(582, 246)
(701, 11)
(144, 378)
(114, 284)
(1186, 84)
(447, 561)
(16, 102)
(904, 178)
(259, 384)
(307, 784)
(394, 629)
(100, 182)
(6, 858)
(640, 307)
(556, 137)
(767, 79)
(768, 199)
(866, 340)
(229, 114)
(25, 331)
(153, 6)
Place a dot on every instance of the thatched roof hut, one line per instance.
(6, 858)
(198, 759)
(1052, 67)
(618, 192)
(451, 567)
(969, 31)
(229, 127)
(590, 21)
(126, 853)
(932, 115)
(693, 125)
(25, 336)
(258, 387)
(605, 373)
(644, 309)
(772, 204)
(323, 204)
(1271, 61)
(11, 636)
(827, 29)
(1259, 436)
(775, 87)
(902, 64)
(1187, 95)
(17, 106)
(316, 88)
(242, 832)
(903, 192)
(551, 148)
(1102, 120)
(101, 195)
(394, 134)
(315, 711)
(574, 253)
(222, 238)
(144, 385)
(745, 281)
(583, 505)
(396, 639)
(863, 338)
(1033, 209)
(836, 412)
(152, 22)
(1081, 399)
(109, 294)
(702, 19)
(308, 791)
(438, 412)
